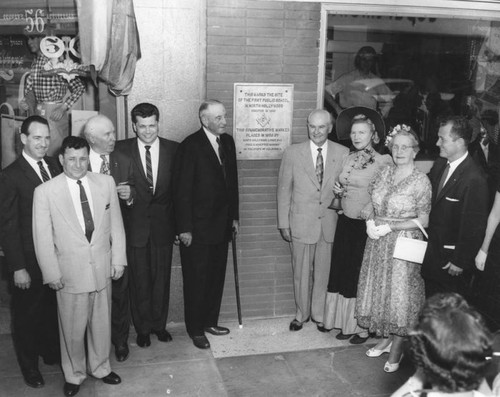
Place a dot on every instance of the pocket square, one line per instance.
(452, 199)
(107, 207)
(449, 247)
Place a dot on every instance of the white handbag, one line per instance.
(410, 249)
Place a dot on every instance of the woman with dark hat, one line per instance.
(365, 128)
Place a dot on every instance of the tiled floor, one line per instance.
(327, 368)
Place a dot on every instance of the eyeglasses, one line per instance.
(403, 148)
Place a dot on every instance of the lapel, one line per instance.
(162, 169)
(65, 205)
(51, 163)
(306, 158)
(453, 180)
(209, 151)
(134, 151)
(98, 201)
(329, 164)
(29, 171)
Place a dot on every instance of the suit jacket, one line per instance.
(151, 215)
(17, 184)
(490, 167)
(302, 201)
(206, 202)
(457, 221)
(120, 167)
(61, 247)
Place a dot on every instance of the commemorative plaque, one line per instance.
(263, 115)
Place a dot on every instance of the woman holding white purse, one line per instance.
(391, 291)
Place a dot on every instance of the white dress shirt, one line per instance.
(213, 141)
(34, 165)
(155, 157)
(74, 190)
(314, 152)
(96, 161)
(454, 165)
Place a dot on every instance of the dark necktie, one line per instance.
(149, 168)
(319, 166)
(87, 214)
(443, 178)
(104, 165)
(222, 156)
(43, 171)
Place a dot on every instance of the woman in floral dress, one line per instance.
(391, 291)
(359, 168)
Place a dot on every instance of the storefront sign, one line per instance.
(35, 19)
(263, 116)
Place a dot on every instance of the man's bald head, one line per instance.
(100, 134)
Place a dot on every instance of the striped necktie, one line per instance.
(149, 168)
(319, 166)
(87, 214)
(43, 171)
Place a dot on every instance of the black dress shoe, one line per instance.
(70, 389)
(33, 378)
(122, 352)
(295, 325)
(163, 335)
(341, 336)
(52, 360)
(321, 328)
(201, 342)
(218, 331)
(143, 340)
(112, 379)
(358, 340)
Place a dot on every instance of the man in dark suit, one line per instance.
(459, 212)
(34, 306)
(100, 134)
(486, 152)
(149, 223)
(206, 209)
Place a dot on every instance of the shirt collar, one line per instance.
(32, 161)
(211, 137)
(155, 144)
(314, 147)
(455, 163)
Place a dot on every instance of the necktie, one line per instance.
(43, 171)
(443, 178)
(104, 165)
(319, 166)
(222, 157)
(87, 215)
(149, 168)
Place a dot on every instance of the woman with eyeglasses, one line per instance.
(391, 291)
(365, 128)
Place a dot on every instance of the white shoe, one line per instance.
(378, 352)
(388, 367)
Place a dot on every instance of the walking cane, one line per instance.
(236, 280)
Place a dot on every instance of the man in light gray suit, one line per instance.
(305, 190)
(80, 246)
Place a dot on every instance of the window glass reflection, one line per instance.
(414, 70)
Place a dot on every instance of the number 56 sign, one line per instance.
(35, 20)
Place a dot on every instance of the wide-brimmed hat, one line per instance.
(344, 121)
